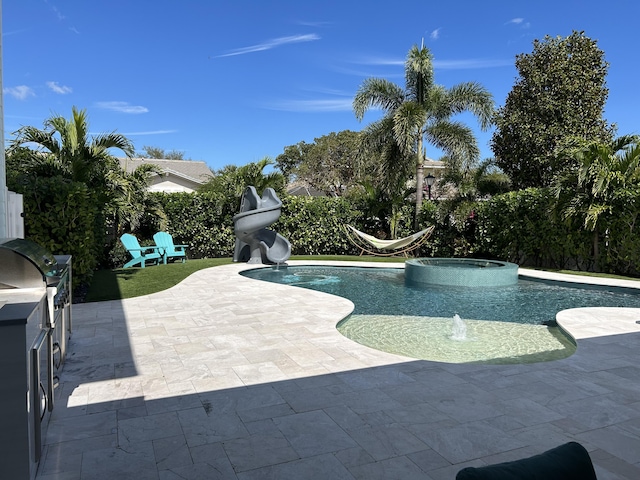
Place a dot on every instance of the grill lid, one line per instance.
(25, 264)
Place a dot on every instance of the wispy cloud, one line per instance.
(313, 24)
(273, 43)
(435, 34)
(21, 92)
(14, 32)
(122, 107)
(151, 132)
(518, 21)
(61, 89)
(61, 17)
(380, 61)
(316, 105)
(58, 13)
(465, 64)
(468, 64)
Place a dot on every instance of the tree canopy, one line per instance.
(421, 111)
(231, 181)
(161, 154)
(557, 101)
(332, 164)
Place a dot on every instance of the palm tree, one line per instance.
(64, 148)
(603, 171)
(232, 180)
(63, 154)
(422, 111)
(131, 199)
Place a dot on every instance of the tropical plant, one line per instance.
(65, 149)
(132, 201)
(421, 111)
(605, 171)
(63, 157)
(382, 211)
(482, 181)
(558, 99)
(230, 182)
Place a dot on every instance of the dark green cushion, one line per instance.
(570, 461)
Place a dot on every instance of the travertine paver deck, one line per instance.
(228, 377)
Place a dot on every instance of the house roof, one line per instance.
(196, 171)
(433, 164)
(303, 189)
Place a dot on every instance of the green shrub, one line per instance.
(315, 225)
(64, 218)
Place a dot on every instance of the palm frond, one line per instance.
(472, 97)
(377, 92)
(408, 120)
(419, 73)
(42, 138)
(115, 140)
(456, 139)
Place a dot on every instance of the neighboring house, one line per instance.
(436, 169)
(301, 188)
(433, 167)
(177, 175)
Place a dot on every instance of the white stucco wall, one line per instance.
(171, 184)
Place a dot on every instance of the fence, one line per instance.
(15, 220)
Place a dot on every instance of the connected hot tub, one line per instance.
(464, 272)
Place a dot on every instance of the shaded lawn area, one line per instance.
(134, 282)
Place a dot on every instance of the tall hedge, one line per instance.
(64, 218)
(313, 225)
(202, 221)
(521, 227)
(620, 239)
(517, 226)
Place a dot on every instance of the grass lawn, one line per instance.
(134, 282)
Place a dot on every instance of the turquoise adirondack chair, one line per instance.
(168, 249)
(140, 254)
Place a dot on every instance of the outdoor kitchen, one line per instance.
(35, 325)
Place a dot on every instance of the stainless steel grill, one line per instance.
(35, 314)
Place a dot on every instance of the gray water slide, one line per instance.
(254, 242)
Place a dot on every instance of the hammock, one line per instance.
(375, 246)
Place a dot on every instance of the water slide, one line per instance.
(254, 242)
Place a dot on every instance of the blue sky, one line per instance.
(230, 82)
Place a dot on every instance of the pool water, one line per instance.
(506, 324)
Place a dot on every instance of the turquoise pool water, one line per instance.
(505, 324)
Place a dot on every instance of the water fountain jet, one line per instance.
(459, 329)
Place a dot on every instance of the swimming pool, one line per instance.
(505, 324)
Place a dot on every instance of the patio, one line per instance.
(227, 377)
